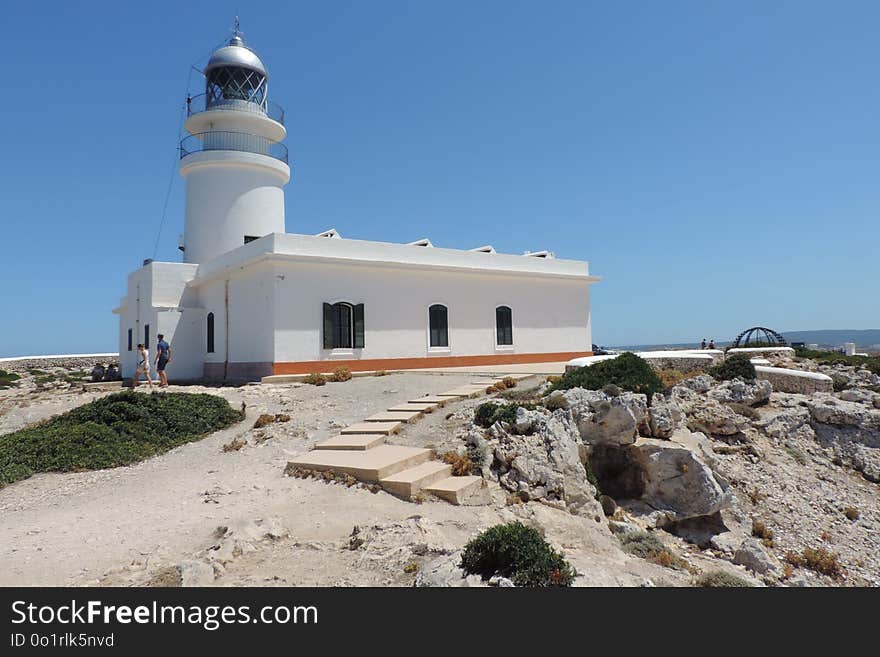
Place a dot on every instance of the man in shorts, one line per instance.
(163, 357)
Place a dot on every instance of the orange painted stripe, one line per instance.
(371, 364)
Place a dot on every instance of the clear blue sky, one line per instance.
(716, 162)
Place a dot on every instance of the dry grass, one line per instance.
(818, 560)
(671, 378)
(381, 373)
(264, 420)
(461, 465)
(851, 513)
(340, 375)
(756, 496)
(315, 379)
(234, 445)
(762, 531)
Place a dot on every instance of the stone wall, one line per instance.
(795, 381)
(74, 361)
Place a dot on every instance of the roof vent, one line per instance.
(540, 254)
(332, 233)
(422, 242)
(488, 248)
(147, 261)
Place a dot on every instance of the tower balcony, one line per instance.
(232, 141)
(206, 103)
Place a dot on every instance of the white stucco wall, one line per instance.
(549, 314)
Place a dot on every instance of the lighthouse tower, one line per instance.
(233, 161)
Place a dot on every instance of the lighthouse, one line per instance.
(233, 159)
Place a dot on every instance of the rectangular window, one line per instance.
(438, 325)
(503, 326)
(343, 326)
(146, 336)
(129, 339)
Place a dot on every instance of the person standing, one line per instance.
(163, 357)
(143, 367)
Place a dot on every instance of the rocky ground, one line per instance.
(731, 477)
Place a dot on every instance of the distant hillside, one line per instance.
(863, 338)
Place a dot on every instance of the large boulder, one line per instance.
(740, 391)
(607, 417)
(678, 483)
(541, 460)
(708, 415)
(753, 556)
(851, 430)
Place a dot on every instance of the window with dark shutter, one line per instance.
(129, 339)
(147, 336)
(343, 326)
(504, 325)
(209, 333)
(359, 326)
(438, 326)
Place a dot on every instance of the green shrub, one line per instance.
(117, 430)
(720, 578)
(8, 379)
(519, 553)
(627, 371)
(735, 366)
(487, 414)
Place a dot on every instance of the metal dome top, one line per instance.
(236, 53)
(759, 336)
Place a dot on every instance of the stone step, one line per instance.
(407, 483)
(394, 416)
(464, 391)
(430, 399)
(368, 465)
(356, 441)
(383, 428)
(455, 489)
(414, 406)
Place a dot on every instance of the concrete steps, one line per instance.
(368, 465)
(413, 406)
(394, 416)
(355, 441)
(384, 428)
(409, 482)
(455, 489)
(361, 452)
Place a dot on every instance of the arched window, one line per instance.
(343, 326)
(503, 325)
(210, 333)
(439, 327)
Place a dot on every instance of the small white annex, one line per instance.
(250, 300)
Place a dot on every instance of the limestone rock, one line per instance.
(739, 391)
(788, 423)
(604, 418)
(664, 417)
(679, 483)
(707, 415)
(546, 464)
(702, 383)
(445, 572)
(753, 556)
(196, 573)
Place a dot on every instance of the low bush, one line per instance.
(555, 402)
(8, 379)
(487, 414)
(762, 531)
(116, 430)
(721, 579)
(627, 371)
(508, 382)
(818, 560)
(340, 375)
(264, 420)
(519, 553)
(734, 366)
(851, 513)
(315, 379)
(649, 547)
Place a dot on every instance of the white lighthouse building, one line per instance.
(250, 300)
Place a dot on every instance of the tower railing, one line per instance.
(203, 103)
(232, 141)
